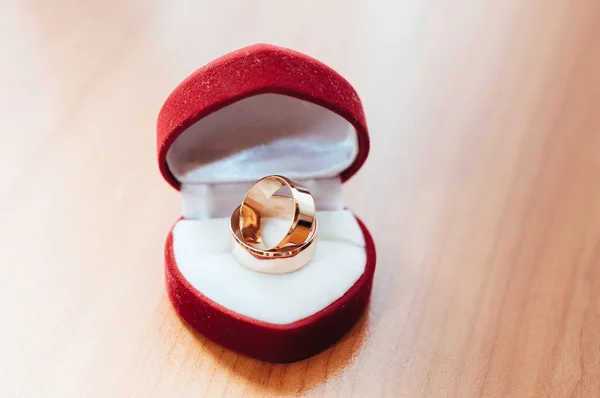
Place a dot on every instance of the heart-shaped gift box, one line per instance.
(258, 111)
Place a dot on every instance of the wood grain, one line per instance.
(482, 192)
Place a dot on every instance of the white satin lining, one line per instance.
(263, 135)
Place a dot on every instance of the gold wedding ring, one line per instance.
(254, 204)
(298, 245)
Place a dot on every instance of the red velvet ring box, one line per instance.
(258, 111)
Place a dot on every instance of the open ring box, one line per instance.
(258, 111)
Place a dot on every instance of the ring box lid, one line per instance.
(261, 110)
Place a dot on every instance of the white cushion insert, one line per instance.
(202, 251)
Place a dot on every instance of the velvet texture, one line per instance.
(252, 70)
(265, 341)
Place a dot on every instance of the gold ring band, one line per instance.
(286, 252)
(253, 208)
(271, 262)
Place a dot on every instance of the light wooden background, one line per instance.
(482, 192)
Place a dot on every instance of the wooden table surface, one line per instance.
(482, 192)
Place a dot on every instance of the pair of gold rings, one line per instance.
(296, 248)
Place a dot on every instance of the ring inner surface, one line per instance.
(255, 205)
